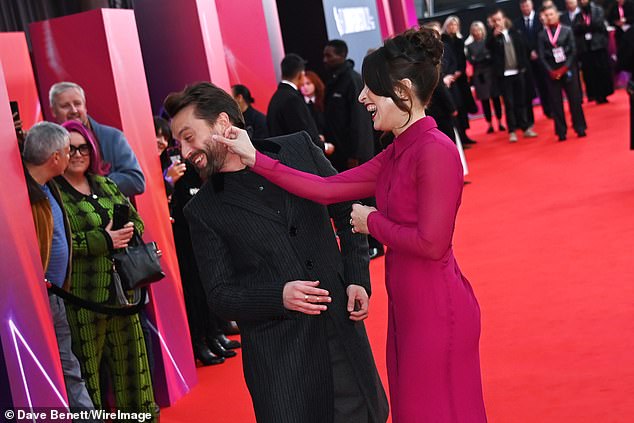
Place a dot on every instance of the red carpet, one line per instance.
(546, 236)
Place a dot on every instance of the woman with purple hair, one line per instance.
(101, 341)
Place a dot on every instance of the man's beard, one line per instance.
(216, 156)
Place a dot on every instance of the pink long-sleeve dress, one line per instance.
(434, 318)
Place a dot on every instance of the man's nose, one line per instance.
(185, 151)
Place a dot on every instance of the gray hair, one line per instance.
(60, 87)
(42, 140)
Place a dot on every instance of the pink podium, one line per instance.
(214, 40)
(29, 345)
(100, 51)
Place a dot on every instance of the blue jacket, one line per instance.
(124, 166)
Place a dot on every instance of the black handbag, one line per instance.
(138, 265)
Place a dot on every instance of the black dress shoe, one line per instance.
(490, 130)
(216, 347)
(227, 343)
(468, 141)
(501, 127)
(204, 354)
(562, 138)
(231, 328)
(582, 134)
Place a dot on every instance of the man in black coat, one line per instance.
(556, 47)
(529, 26)
(591, 40)
(254, 119)
(287, 112)
(348, 124)
(510, 61)
(568, 16)
(270, 261)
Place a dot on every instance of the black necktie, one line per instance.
(528, 23)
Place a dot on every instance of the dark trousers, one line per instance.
(541, 82)
(569, 84)
(350, 405)
(597, 74)
(486, 108)
(514, 90)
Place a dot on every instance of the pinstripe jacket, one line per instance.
(246, 253)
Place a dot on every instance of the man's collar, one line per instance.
(531, 16)
(284, 81)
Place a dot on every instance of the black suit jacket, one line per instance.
(565, 18)
(495, 44)
(566, 40)
(246, 253)
(529, 34)
(596, 28)
(288, 113)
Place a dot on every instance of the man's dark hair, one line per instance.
(242, 90)
(208, 101)
(340, 47)
(292, 64)
(495, 11)
(550, 6)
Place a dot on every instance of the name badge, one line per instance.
(588, 36)
(559, 55)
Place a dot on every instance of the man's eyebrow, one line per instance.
(182, 130)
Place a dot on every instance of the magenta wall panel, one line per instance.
(18, 75)
(181, 43)
(385, 18)
(403, 14)
(248, 53)
(26, 331)
(106, 60)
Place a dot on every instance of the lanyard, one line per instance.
(586, 18)
(621, 13)
(553, 38)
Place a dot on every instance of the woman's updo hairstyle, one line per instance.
(416, 55)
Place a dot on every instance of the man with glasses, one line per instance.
(68, 102)
(46, 155)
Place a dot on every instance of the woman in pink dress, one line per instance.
(434, 318)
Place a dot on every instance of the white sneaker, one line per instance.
(512, 137)
(529, 133)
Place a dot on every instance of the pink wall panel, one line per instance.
(18, 74)
(107, 62)
(248, 53)
(385, 18)
(181, 44)
(26, 331)
(403, 14)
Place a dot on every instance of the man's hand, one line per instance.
(534, 55)
(359, 218)
(359, 297)
(305, 297)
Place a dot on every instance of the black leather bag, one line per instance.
(138, 265)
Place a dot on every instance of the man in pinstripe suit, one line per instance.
(270, 261)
